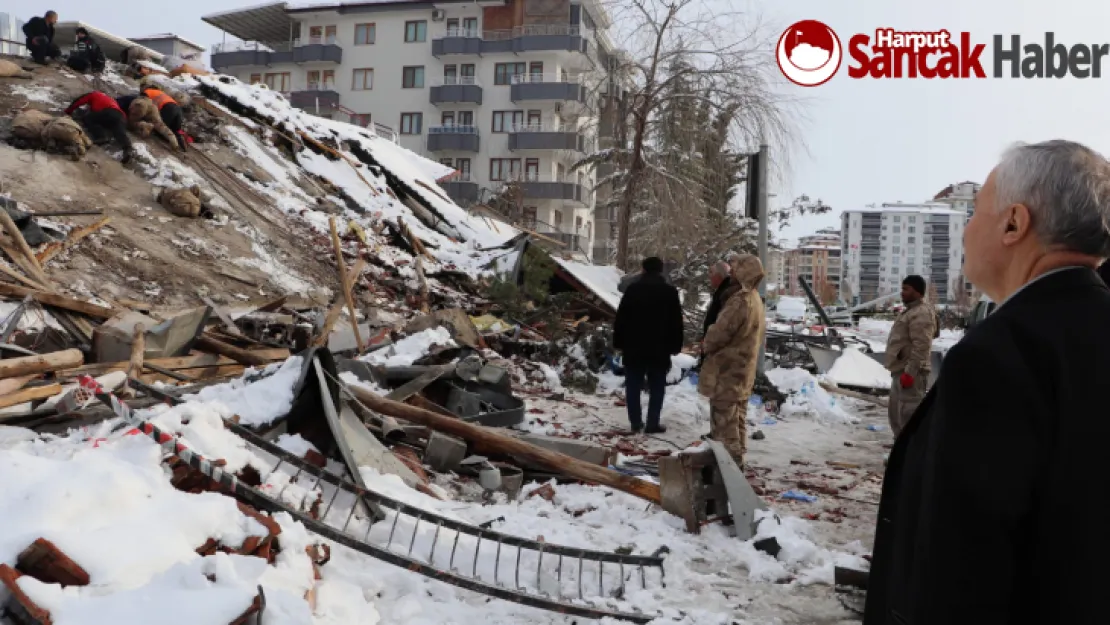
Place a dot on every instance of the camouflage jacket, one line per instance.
(731, 346)
(911, 340)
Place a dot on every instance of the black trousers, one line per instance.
(656, 375)
(41, 49)
(172, 117)
(107, 124)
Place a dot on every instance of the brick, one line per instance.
(46, 563)
(8, 577)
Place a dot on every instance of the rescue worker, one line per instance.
(143, 117)
(170, 113)
(86, 54)
(40, 37)
(731, 349)
(648, 331)
(908, 353)
(104, 121)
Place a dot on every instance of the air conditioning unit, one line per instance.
(438, 15)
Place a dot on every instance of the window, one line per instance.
(463, 165)
(448, 118)
(316, 34)
(897, 229)
(450, 74)
(360, 119)
(470, 25)
(503, 72)
(446, 161)
(416, 32)
(281, 81)
(321, 80)
(557, 217)
(256, 78)
(910, 239)
(329, 79)
(366, 34)
(411, 123)
(468, 71)
(535, 68)
(896, 249)
(504, 121)
(529, 217)
(910, 229)
(466, 118)
(535, 118)
(331, 34)
(501, 169)
(897, 218)
(532, 169)
(412, 77)
(560, 172)
(453, 24)
(362, 80)
(577, 225)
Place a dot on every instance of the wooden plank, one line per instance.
(179, 364)
(29, 394)
(345, 282)
(26, 365)
(75, 236)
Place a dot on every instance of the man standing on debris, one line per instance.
(86, 54)
(986, 514)
(40, 37)
(648, 331)
(104, 121)
(908, 352)
(731, 349)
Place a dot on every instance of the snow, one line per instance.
(39, 93)
(603, 280)
(791, 308)
(257, 403)
(411, 348)
(855, 368)
(806, 397)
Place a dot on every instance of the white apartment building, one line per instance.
(884, 244)
(501, 90)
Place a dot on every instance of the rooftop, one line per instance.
(932, 208)
(163, 36)
(65, 33)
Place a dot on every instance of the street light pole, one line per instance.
(761, 198)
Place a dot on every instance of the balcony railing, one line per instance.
(533, 37)
(533, 30)
(316, 41)
(453, 129)
(450, 81)
(528, 78)
(453, 138)
(545, 186)
(468, 33)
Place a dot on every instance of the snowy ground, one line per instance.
(104, 499)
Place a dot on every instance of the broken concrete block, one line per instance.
(165, 339)
(512, 480)
(456, 320)
(46, 563)
(578, 449)
(444, 453)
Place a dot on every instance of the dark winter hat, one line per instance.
(81, 31)
(916, 283)
(652, 264)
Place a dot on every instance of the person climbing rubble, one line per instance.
(86, 55)
(648, 331)
(40, 37)
(143, 117)
(104, 121)
(731, 349)
(908, 353)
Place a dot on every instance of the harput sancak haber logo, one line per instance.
(809, 53)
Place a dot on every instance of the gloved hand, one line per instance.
(906, 380)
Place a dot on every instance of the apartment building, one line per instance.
(11, 35)
(817, 259)
(961, 197)
(172, 45)
(883, 244)
(775, 269)
(510, 93)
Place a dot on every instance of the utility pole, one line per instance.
(761, 200)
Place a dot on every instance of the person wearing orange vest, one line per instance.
(170, 112)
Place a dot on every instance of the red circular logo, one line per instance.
(809, 53)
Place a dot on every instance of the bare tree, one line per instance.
(699, 69)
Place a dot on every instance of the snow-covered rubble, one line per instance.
(806, 397)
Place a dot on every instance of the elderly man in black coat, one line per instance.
(990, 512)
(648, 330)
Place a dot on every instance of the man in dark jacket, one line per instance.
(648, 330)
(986, 515)
(104, 121)
(40, 37)
(86, 54)
(719, 280)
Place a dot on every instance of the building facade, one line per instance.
(172, 45)
(884, 244)
(509, 93)
(817, 259)
(11, 34)
(961, 196)
(775, 269)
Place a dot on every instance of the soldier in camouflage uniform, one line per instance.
(908, 353)
(731, 351)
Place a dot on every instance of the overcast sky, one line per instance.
(865, 140)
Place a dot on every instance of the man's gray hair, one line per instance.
(720, 268)
(1066, 187)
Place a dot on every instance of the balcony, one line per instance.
(537, 187)
(453, 139)
(250, 54)
(462, 189)
(316, 98)
(547, 87)
(528, 38)
(547, 137)
(455, 90)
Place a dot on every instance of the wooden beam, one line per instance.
(64, 302)
(29, 394)
(344, 282)
(75, 236)
(492, 439)
(251, 359)
(41, 363)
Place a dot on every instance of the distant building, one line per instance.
(961, 197)
(884, 244)
(11, 35)
(817, 259)
(173, 45)
(776, 258)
